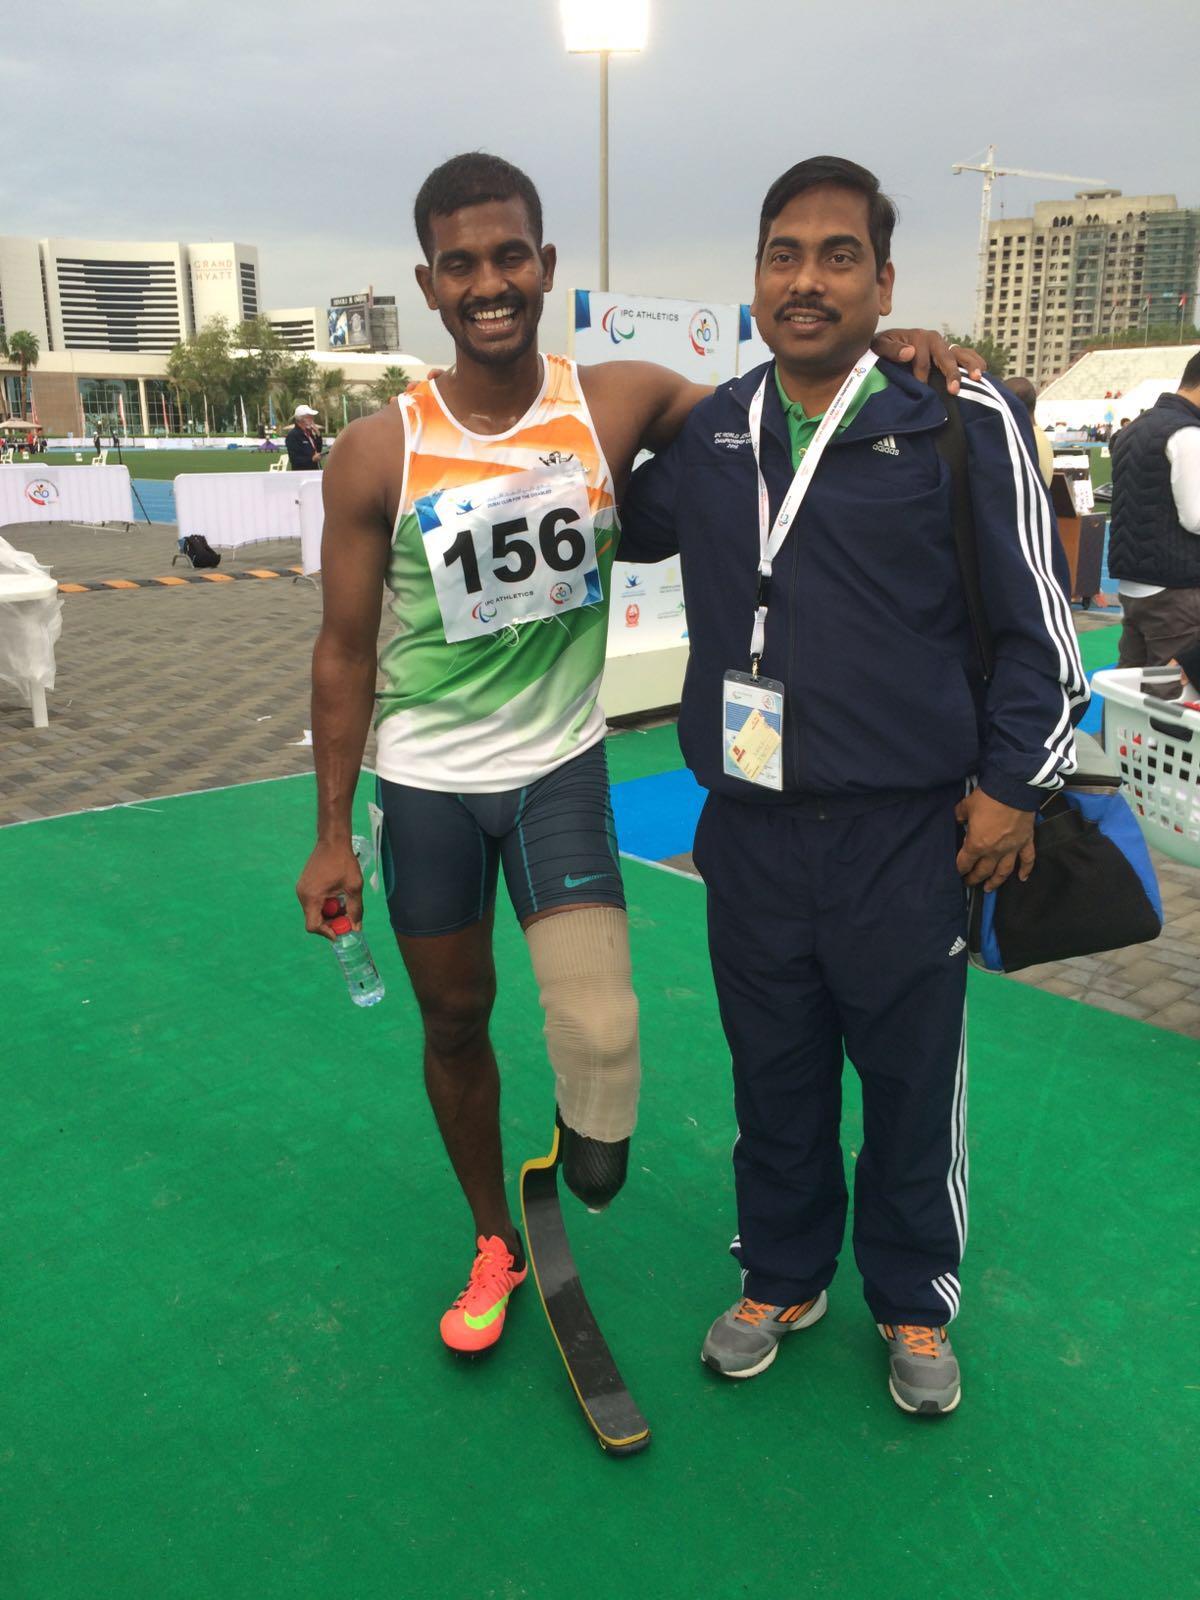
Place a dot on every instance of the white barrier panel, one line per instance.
(64, 494)
(646, 610)
(312, 521)
(236, 508)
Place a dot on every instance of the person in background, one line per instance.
(1027, 395)
(303, 441)
(1153, 548)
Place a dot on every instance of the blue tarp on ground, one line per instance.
(656, 816)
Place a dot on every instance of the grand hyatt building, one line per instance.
(106, 316)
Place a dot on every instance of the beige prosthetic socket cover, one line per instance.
(585, 982)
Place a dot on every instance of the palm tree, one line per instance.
(329, 388)
(23, 348)
(393, 382)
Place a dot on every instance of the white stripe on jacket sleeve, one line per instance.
(1033, 519)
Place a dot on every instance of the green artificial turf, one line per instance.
(230, 1231)
(641, 752)
(1098, 647)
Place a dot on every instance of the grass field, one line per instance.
(170, 463)
(1101, 466)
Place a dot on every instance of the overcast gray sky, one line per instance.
(307, 128)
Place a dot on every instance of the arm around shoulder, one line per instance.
(649, 516)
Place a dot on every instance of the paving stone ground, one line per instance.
(161, 691)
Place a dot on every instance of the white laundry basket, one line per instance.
(1156, 744)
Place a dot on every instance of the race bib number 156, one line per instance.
(514, 549)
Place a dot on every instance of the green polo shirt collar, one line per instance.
(801, 428)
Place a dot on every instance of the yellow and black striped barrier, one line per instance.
(98, 585)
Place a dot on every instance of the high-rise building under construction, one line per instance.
(1084, 270)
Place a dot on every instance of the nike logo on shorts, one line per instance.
(591, 877)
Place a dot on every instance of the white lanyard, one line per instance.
(770, 538)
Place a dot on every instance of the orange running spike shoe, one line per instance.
(475, 1321)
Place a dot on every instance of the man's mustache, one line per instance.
(808, 305)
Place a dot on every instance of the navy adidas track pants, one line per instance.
(831, 935)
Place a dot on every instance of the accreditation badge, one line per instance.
(516, 548)
(752, 729)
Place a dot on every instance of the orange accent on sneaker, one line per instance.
(921, 1341)
(794, 1313)
(753, 1312)
(475, 1321)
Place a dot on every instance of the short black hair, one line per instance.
(472, 180)
(1024, 391)
(808, 174)
(1191, 374)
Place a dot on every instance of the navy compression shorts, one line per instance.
(555, 839)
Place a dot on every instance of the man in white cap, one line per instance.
(303, 441)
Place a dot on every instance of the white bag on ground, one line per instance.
(28, 629)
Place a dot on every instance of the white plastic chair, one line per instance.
(101, 460)
(279, 466)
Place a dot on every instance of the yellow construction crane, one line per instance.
(990, 173)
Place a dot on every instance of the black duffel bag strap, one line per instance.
(951, 441)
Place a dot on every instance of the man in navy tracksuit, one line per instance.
(835, 710)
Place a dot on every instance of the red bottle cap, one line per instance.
(337, 919)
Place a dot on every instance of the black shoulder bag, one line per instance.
(1093, 886)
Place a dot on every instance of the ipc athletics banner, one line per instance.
(706, 342)
(699, 341)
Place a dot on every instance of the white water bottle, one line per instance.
(354, 957)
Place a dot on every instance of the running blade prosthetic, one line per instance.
(607, 1404)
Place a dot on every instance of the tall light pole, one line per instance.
(603, 28)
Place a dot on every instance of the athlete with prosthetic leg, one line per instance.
(486, 501)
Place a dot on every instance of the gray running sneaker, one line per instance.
(742, 1343)
(924, 1377)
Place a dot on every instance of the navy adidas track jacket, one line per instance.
(868, 627)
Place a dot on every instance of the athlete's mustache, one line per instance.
(808, 305)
